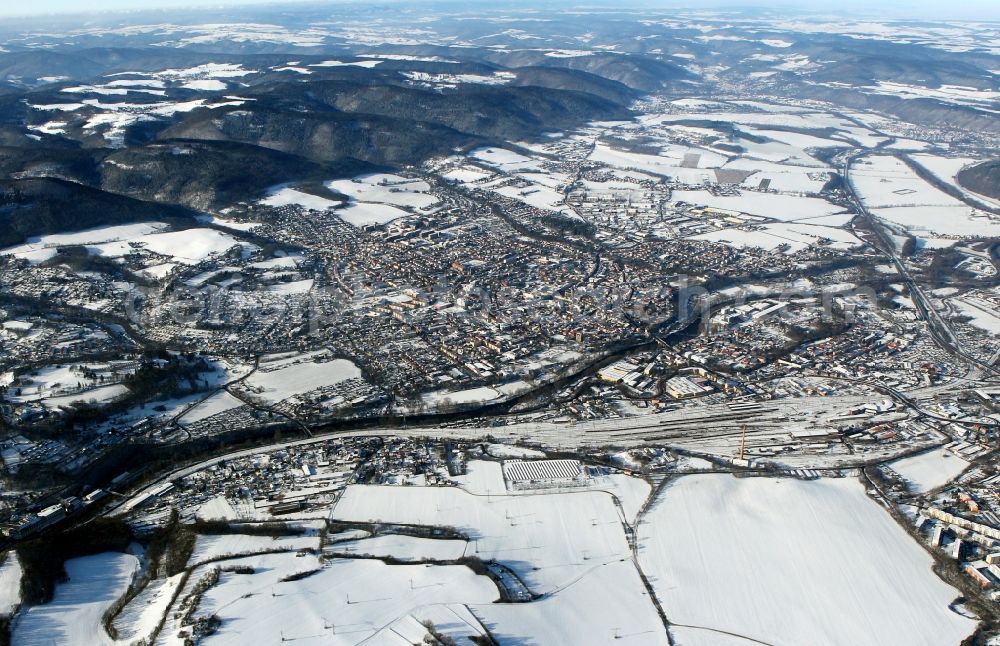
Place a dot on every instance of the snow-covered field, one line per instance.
(285, 196)
(548, 539)
(385, 188)
(218, 508)
(667, 163)
(777, 151)
(292, 288)
(456, 397)
(73, 617)
(780, 561)
(404, 548)
(486, 478)
(346, 601)
(781, 177)
(947, 168)
(885, 181)
(140, 616)
(10, 583)
(946, 220)
(568, 545)
(800, 120)
(770, 205)
(282, 379)
(465, 175)
(506, 160)
(189, 247)
(333, 63)
(896, 193)
(206, 71)
(362, 214)
(112, 118)
(948, 93)
(607, 605)
(790, 562)
(511, 451)
(538, 196)
(929, 470)
(797, 236)
(52, 382)
(217, 403)
(982, 314)
(205, 85)
(41, 248)
(230, 224)
(100, 395)
(441, 80)
(796, 140)
(210, 547)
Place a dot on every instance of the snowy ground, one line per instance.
(947, 168)
(298, 375)
(569, 545)
(217, 403)
(218, 508)
(10, 583)
(42, 247)
(362, 214)
(981, 313)
(111, 119)
(333, 63)
(548, 539)
(506, 160)
(796, 236)
(55, 381)
(73, 617)
(210, 547)
(665, 164)
(285, 196)
(538, 196)
(800, 120)
(139, 618)
(405, 548)
(884, 181)
(456, 397)
(346, 601)
(385, 188)
(946, 220)
(511, 451)
(101, 395)
(485, 478)
(896, 193)
(607, 605)
(189, 247)
(790, 562)
(929, 470)
(770, 205)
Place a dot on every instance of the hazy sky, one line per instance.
(964, 10)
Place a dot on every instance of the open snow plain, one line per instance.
(73, 617)
(347, 601)
(893, 191)
(548, 539)
(929, 470)
(730, 561)
(790, 562)
(570, 547)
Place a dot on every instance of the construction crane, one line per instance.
(743, 441)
